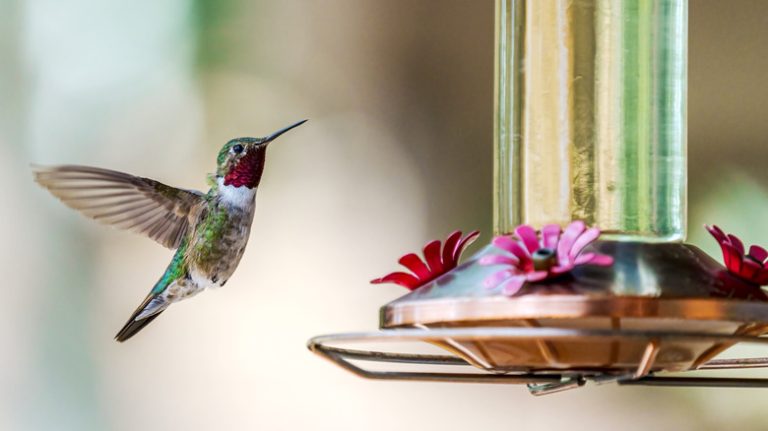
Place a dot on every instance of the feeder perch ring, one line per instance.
(539, 381)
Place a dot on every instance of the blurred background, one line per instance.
(398, 151)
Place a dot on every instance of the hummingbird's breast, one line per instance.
(220, 236)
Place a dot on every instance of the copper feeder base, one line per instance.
(666, 288)
(659, 308)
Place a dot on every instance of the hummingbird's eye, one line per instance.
(237, 149)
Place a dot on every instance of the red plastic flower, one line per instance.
(533, 258)
(751, 266)
(435, 263)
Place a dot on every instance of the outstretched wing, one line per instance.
(138, 204)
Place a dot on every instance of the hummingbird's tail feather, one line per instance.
(132, 327)
(150, 308)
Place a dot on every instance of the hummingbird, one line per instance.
(209, 231)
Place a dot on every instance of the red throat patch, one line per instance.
(248, 170)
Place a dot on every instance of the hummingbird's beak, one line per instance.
(274, 136)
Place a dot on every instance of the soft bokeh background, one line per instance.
(397, 151)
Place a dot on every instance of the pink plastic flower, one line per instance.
(536, 257)
(751, 267)
(435, 263)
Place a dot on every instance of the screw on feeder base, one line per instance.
(567, 383)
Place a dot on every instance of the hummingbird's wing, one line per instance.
(142, 205)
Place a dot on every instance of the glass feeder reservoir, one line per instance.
(590, 116)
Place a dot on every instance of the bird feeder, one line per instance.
(590, 126)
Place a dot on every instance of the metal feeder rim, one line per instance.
(539, 383)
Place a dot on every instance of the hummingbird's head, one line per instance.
(241, 160)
